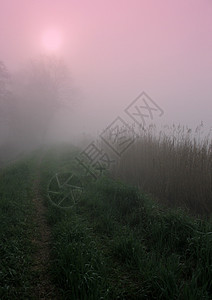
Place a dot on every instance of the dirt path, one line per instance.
(42, 286)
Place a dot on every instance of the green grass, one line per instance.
(117, 243)
(16, 230)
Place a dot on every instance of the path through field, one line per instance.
(43, 287)
(114, 243)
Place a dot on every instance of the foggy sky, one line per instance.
(115, 50)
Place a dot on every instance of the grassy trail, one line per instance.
(24, 234)
(16, 230)
(42, 285)
(115, 243)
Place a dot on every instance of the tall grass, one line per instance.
(118, 243)
(16, 231)
(174, 164)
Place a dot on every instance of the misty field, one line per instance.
(116, 242)
(101, 197)
(173, 164)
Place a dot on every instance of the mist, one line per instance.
(105, 149)
(102, 56)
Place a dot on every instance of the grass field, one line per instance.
(114, 243)
(16, 230)
(174, 164)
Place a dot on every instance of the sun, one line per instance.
(52, 40)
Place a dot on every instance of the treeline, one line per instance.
(29, 100)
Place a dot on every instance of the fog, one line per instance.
(99, 57)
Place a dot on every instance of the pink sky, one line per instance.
(116, 49)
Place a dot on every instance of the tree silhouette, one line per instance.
(42, 89)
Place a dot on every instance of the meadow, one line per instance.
(16, 230)
(174, 164)
(118, 241)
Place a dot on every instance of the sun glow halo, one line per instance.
(52, 40)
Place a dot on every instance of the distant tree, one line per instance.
(8, 145)
(4, 78)
(5, 90)
(5, 102)
(41, 89)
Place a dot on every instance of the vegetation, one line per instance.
(115, 243)
(174, 165)
(16, 228)
(29, 101)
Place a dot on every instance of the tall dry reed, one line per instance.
(174, 164)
